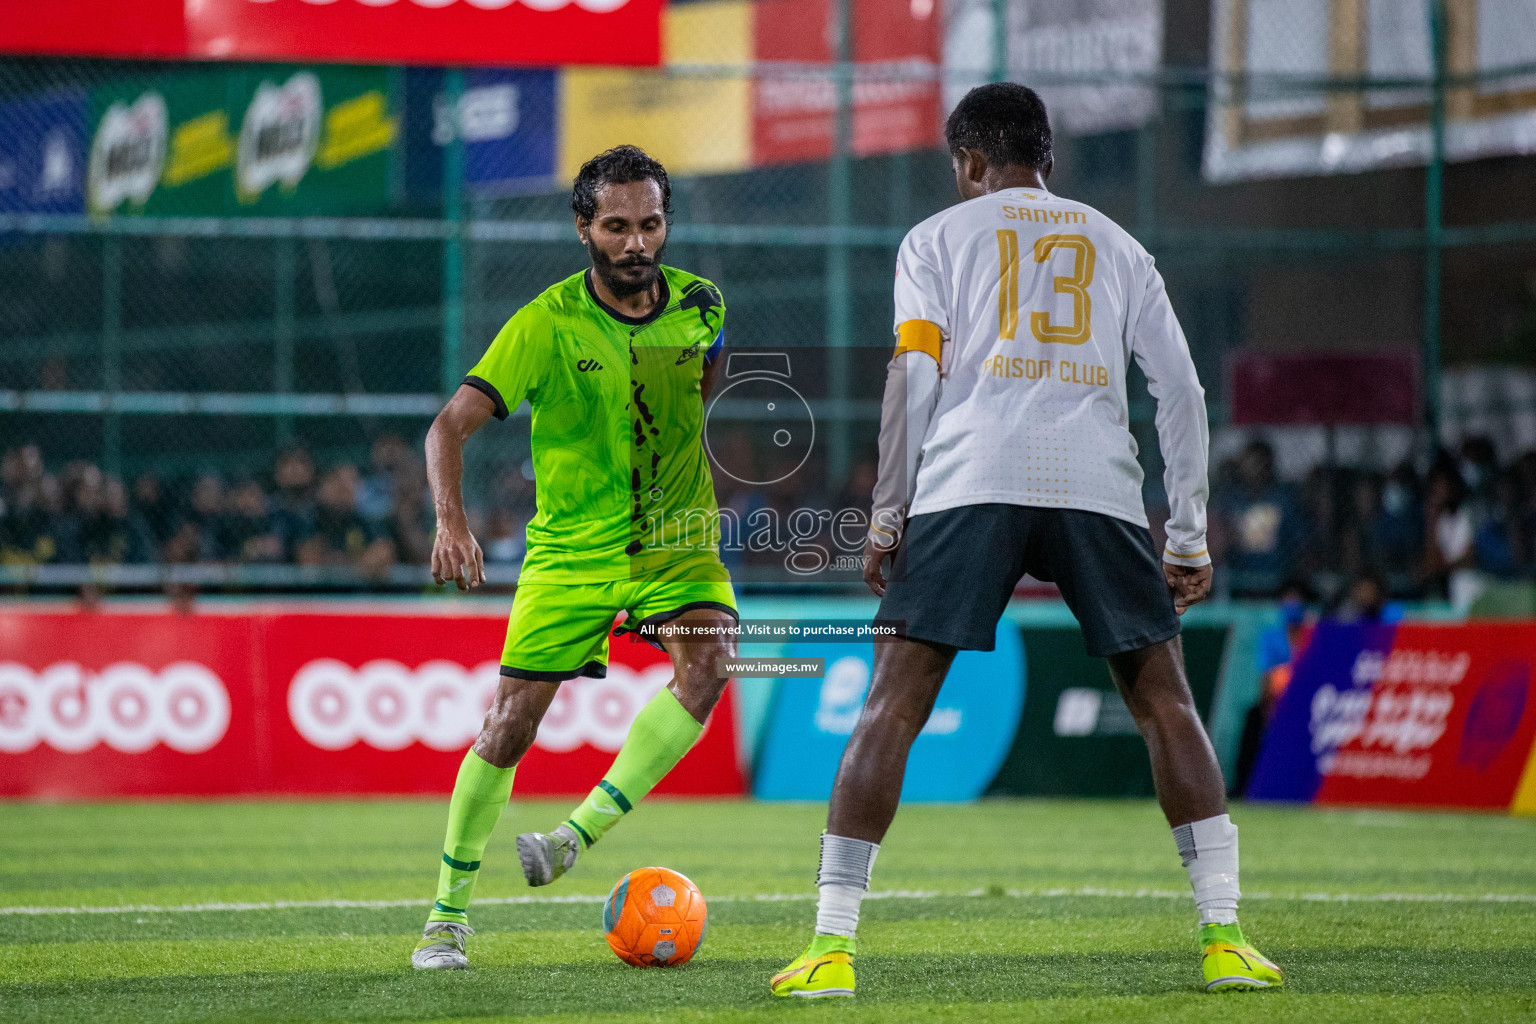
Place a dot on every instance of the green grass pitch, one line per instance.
(1013, 911)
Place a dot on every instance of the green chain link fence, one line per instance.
(185, 321)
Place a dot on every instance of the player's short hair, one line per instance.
(1006, 121)
(618, 166)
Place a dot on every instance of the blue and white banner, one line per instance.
(1427, 715)
(43, 153)
(957, 755)
(508, 120)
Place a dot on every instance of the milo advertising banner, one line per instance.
(130, 146)
(280, 141)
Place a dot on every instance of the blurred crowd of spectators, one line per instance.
(1442, 533)
(369, 519)
(1438, 533)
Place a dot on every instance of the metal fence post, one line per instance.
(284, 267)
(840, 216)
(999, 40)
(453, 246)
(899, 200)
(1434, 179)
(112, 349)
(1146, 181)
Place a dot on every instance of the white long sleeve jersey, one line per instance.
(1039, 303)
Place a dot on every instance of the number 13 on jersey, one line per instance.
(1075, 285)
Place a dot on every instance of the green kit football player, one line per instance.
(615, 364)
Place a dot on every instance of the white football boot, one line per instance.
(442, 947)
(547, 856)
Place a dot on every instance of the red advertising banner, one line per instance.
(1443, 718)
(486, 32)
(129, 705)
(102, 704)
(793, 112)
(95, 28)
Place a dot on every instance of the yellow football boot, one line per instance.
(1231, 964)
(824, 969)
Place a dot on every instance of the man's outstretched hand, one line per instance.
(1190, 584)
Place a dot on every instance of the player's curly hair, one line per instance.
(618, 166)
(1006, 121)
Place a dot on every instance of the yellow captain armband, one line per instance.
(919, 336)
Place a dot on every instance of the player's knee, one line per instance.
(506, 731)
(899, 704)
(1163, 711)
(698, 687)
(894, 719)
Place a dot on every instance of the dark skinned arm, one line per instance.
(707, 381)
(455, 552)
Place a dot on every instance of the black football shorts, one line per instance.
(956, 570)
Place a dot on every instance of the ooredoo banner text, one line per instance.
(144, 704)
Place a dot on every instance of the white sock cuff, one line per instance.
(1207, 835)
(837, 910)
(1209, 850)
(846, 861)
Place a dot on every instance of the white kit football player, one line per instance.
(1005, 449)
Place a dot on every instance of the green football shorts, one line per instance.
(559, 631)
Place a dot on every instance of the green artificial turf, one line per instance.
(1019, 911)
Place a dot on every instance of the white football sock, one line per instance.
(1209, 850)
(843, 880)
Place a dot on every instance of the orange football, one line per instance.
(655, 917)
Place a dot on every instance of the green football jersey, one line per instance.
(623, 484)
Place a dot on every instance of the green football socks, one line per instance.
(662, 733)
(479, 795)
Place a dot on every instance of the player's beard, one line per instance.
(618, 276)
